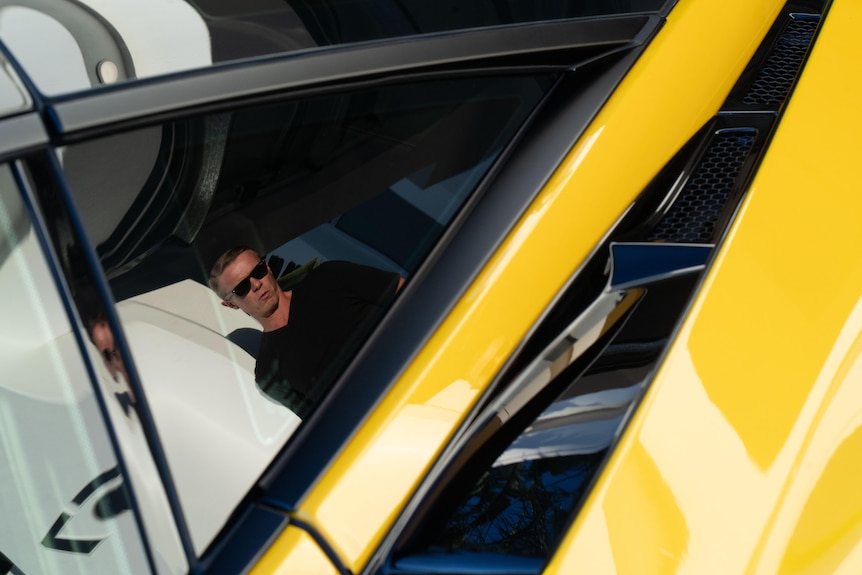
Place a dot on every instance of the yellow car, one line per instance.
(624, 332)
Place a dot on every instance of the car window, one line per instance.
(65, 506)
(517, 490)
(342, 196)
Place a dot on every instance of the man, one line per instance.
(310, 331)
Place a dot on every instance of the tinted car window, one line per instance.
(372, 177)
(65, 506)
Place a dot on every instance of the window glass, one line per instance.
(64, 506)
(523, 502)
(539, 444)
(341, 197)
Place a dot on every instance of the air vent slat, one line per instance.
(776, 78)
(693, 216)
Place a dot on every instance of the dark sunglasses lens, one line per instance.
(242, 287)
(257, 273)
(259, 270)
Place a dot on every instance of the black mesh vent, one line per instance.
(776, 78)
(692, 217)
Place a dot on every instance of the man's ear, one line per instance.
(229, 304)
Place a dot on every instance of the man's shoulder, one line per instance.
(345, 266)
(330, 266)
(267, 338)
(321, 273)
(339, 277)
(338, 269)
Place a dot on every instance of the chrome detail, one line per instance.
(107, 71)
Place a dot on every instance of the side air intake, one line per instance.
(777, 77)
(697, 208)
(721, 159)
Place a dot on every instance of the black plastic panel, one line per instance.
(21, 134)
(247, 539)
(478, 50)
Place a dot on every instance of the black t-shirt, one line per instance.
(330, 310)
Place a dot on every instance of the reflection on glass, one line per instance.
(545, 436)
(521, 508)
(64, 506)
(523, 503)
(372, 177)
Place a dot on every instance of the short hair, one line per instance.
(225, 260)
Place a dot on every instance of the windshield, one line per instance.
(99, 42)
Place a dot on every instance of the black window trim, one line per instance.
(123, 106)
(21, 134)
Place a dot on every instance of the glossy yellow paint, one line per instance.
(297, 554)
(746, 454)
(672, 91)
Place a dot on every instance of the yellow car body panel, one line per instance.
(746, 452)
(677, 85)
(300, 555)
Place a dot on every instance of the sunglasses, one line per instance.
(242, 288)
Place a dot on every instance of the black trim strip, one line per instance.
(124, 103)
(246, 539)
(21, 134)
(323, 544)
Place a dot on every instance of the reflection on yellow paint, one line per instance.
(791, 286)
(295, 553)
(792, 320)
(815, 527)
(407, 444)
(732, 363)
(648, 533)
(831, 524)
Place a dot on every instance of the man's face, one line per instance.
(103, 338)
(262, 298)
